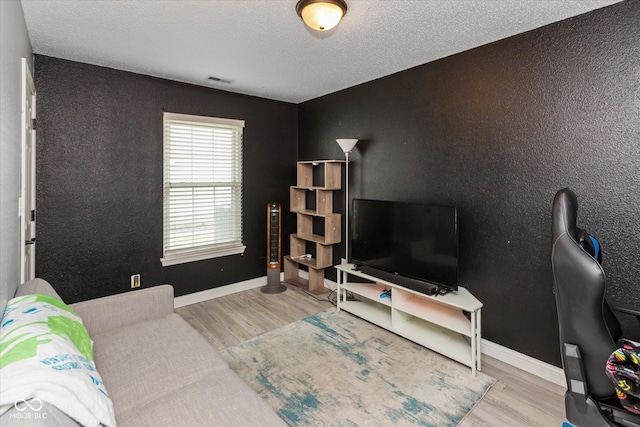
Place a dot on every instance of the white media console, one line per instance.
(436, 322)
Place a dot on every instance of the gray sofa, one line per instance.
(157, 369)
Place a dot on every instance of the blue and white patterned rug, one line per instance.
(334, 369)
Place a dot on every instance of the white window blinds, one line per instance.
(202, 189)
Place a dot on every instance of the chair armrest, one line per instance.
(106, 313)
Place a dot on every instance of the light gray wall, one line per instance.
(14, 45)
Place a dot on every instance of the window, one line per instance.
(202, 188)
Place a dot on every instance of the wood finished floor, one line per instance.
(517, 399)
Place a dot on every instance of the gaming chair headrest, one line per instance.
(565, 213)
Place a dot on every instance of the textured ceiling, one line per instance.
(263, 47)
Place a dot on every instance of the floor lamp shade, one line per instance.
(347, 144)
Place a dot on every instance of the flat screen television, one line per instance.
(409, 244)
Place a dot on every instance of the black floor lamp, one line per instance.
(347, 145)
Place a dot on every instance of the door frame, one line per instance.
(27, 202)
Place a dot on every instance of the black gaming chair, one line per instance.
(588, 328)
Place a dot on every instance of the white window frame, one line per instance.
(178, 250)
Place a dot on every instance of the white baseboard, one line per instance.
(330, 284)
(522, 361)
(511, 357)
(220, 291)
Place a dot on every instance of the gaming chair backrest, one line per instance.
(584, 317)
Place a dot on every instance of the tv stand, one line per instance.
(437, 321)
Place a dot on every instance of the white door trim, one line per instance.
(27, 201)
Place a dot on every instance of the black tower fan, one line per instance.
(273, 251)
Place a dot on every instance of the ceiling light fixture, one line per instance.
(321, 15)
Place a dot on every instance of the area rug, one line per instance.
(335, 369)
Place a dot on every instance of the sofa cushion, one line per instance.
(218, 399)
(148, 360)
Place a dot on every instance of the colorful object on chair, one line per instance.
(623, 368)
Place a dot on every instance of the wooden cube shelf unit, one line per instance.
(323, 201)
(331, 179)
(331, 234)
(317, 225)
(322, 258)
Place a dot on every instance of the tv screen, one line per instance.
(417, 241)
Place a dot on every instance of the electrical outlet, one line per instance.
(135, 281)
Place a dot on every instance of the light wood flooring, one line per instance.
(517, 399)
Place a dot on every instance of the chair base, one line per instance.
(583, 412)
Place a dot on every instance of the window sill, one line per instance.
(174, 259)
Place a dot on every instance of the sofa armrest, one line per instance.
(106, 313)
(36, 286)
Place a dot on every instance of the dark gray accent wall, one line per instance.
(496, 131)
(99, 178)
